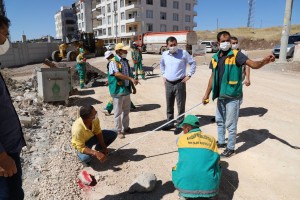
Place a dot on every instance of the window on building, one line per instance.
(163, 27)
(149, 13)
(187, 28)
(175, 17)
(149, 27)
(149, 2)
(175, 28)
(163, 3)
(109, 20)
(121, 3)
(163, 16)
(123, 28)
(188, 6)
(175, 4)
(104, 31)
(103, 10)
(108, 8)
(115, 6)
(187, 18)
(78, 16)
(122, 16)
(81, 5)
(109, 31)
(82, 24)
(81, 16)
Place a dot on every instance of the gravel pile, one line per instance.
(50, 166)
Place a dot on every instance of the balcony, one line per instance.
(133, 5)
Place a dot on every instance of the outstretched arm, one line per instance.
(259, 64)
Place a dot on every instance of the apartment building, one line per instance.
(121, 20)
(83, 11)
(65, 24)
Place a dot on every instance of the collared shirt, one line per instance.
(11, 135)
(81, 134)
(173, 66)
(114, 68)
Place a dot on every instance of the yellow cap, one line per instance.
(121, 46)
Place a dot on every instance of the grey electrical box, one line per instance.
(54, 84)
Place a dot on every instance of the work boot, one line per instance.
(227, 153)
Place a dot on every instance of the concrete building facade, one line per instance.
(83, 11)
(121, 20)
(65, 24)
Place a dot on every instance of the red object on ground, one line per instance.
(85, 178)
(84, 59)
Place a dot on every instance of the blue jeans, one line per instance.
(11, 187)
(108, 136)
(227, 116)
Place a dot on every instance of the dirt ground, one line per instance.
(266, 165)
(268, 142)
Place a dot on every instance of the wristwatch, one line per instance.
(189, 75)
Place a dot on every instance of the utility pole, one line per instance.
(285, 30)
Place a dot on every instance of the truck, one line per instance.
(155, 42)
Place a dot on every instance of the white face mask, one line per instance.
(235, 46)
(4, 47)
(224, 46)
(173, 49)
(124, 55)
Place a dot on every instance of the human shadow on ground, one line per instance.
(146, 107)
(250, 111)
(86, 92)
(98, 84)
(229, 182)
(148, 127)
(159, 192)
(205, 119)
(85, 101)
(116, 159)
(252, 138)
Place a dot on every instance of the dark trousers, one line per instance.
(175, 90)
(11, 187)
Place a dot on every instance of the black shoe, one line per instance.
(177, 131)
(221, 145)
(167, 127)
(227, 153)
(213, 120)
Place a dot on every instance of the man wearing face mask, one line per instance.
(173, 66)
(121, 84)
(11, 135)
(86, 132)
(226, 84)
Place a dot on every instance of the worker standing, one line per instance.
(81, 67)
(137, 60)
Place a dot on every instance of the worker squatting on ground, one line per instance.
(81, 67)
(109, 106)
(137, 58)
(86, 132)
(121, 84)
(226, 84)
(11, 135)
(197, 172)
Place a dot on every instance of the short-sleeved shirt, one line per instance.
(113, 68)
(81, 134)
(240, 61)
(11, 135)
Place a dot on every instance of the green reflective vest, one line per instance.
(117, 86)
(231, 83)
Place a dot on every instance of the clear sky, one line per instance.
(36, 17)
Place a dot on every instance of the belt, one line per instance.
(175, 82)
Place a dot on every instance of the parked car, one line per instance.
(211, 46)
(110, 46)
(290, 48)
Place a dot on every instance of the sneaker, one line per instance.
(106, 112)
(220, 146)
(177, 131)
(121, 135)
(227, 153)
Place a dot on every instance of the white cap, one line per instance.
(107, 54)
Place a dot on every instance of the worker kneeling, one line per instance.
(86, 132)
(197, 173)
